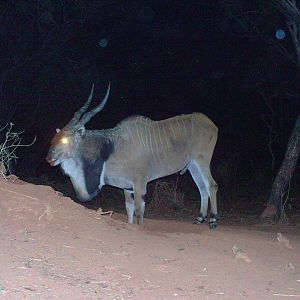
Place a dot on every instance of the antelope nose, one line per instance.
(49, 156)
(51, 161)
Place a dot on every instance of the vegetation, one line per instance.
(8, 149)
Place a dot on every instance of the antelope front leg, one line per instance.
(129, 203)
(139, 203)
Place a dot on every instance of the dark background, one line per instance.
(162, 58)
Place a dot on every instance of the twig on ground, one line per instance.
(20, 194)
(287, 295)
(283, 240)
(239, 253)
(101, 212)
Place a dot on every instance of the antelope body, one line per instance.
(135, 152)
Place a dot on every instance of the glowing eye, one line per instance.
(64, 140)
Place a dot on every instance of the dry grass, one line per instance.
(167, 196)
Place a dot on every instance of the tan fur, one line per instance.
(135, 152)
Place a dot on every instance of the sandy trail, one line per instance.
(53, 248)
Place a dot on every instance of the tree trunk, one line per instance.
(275, 206)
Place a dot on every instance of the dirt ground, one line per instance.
(53, 248)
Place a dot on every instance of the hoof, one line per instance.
(199, 220)
(213, 221)
(213, 225)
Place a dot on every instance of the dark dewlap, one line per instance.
(92, 171)
(92, 168)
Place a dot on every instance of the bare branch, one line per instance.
(9, 147)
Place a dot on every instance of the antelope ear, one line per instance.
(81, 131)
(57, 130)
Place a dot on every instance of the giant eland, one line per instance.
(135, 152)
